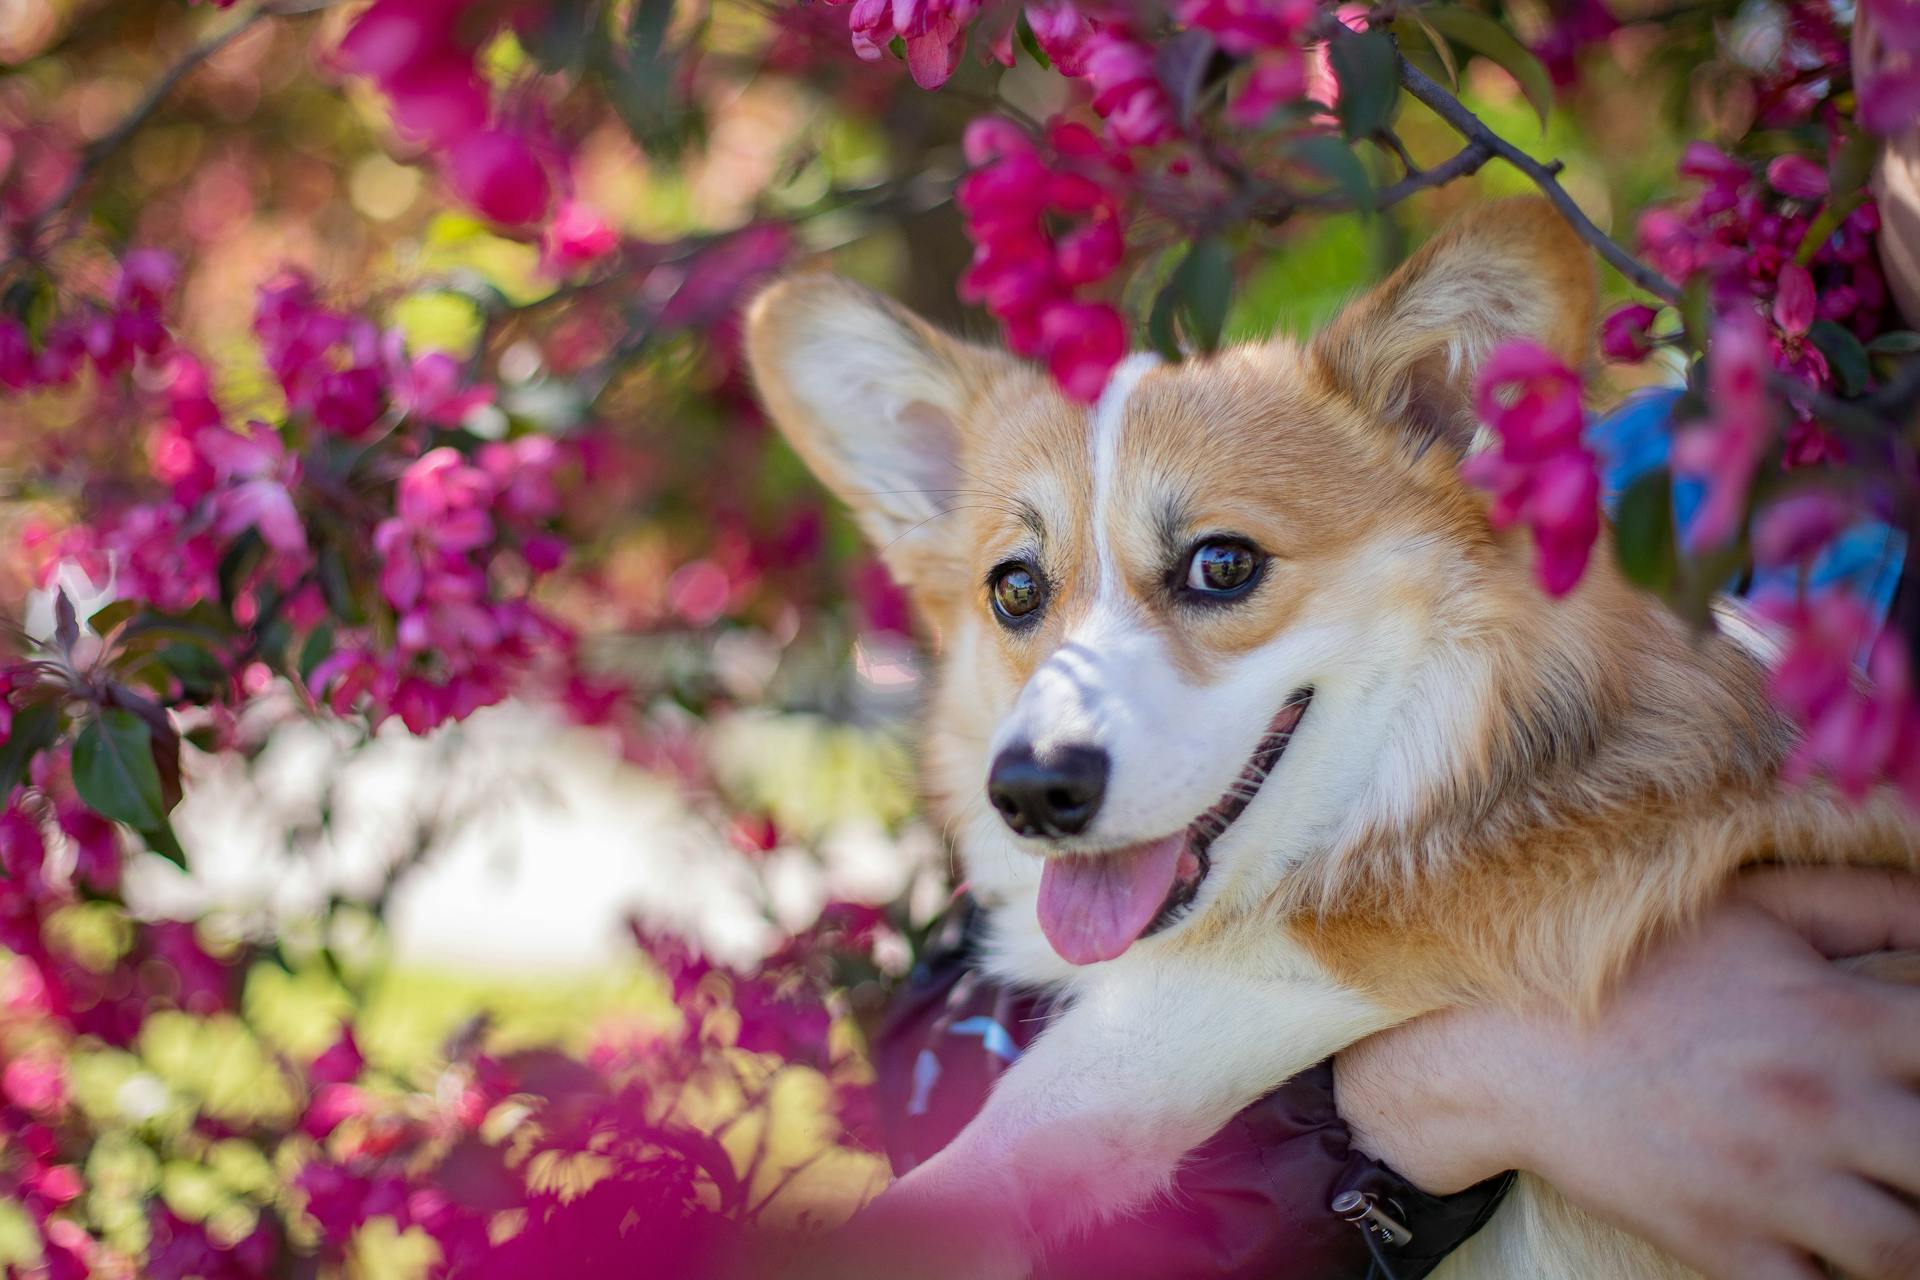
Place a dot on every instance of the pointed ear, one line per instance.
(875, 400)
(1410, 351)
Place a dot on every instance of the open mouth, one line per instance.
(1094, 906)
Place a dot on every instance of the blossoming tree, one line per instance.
(375, 363)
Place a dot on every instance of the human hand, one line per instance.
(1742, 1103)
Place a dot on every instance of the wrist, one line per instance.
(1447, 1100)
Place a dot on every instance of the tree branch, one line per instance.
(1471, 127)
(103, 148)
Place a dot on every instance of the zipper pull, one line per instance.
(1362, 1209)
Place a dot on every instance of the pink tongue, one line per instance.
(1093, 906)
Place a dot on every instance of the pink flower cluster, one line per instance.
(459, 644)
(1856, 732)
(1030, 277)
(1540, 474)
(1746, 228)
(1270, 36)
(1576, 25)
(109, 338)
(1127, 92)
(56, 852)
(1725, 450)
(934, 33)
(422, 55)
(1888, 84)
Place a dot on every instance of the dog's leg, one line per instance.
(1147, 1063)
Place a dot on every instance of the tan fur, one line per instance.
(1611, 773)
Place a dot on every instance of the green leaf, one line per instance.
(1334, 160)
(32, 301)
(336, 586)
(1696, 312)
(198, 671)
(113, 769)
(161, 839)
(1895, 342)
(1031, 42)
(558, 40)
(1160, 323)
(1205, 281)
(316, 649)
(1497, 45)
(109, 616)
(1410, 29)
(34, 727)
(1643, 532)
(1367, 67)
(647, 25)
(1844, 353)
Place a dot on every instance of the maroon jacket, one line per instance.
(1255, 1202)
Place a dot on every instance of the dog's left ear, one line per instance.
(1410, 351)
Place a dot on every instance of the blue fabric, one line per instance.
(994, 1036)
(1635, 438)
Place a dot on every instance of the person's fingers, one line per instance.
(1861, 1229)
(1900, 1035)
(1762, 1262)
(1880, 1140)
(1840, 911)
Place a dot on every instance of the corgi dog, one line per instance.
(1256, 738)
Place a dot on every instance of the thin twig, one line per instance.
(1472, 128)
(1391, 141)
(103, 148)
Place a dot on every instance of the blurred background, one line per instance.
(461, 768)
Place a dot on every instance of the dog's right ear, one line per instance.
(875, 400)
(1411, 350)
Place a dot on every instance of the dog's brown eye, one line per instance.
(1016, 591)
(1220, 567)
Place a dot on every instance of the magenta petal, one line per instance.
(1795, 305)
(932, 58)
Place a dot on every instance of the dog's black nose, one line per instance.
(1055, 797)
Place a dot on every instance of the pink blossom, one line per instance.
(1794, 305)
(340, 1062)
(1532, 400)
(1794, 529)
(35, 1083)
(1797, 177)
(257, 475)
(1127, 91)
(1540, 474)
(433, 387)
(497, 172)
(1244, 27)
(1083, 341)
(1857, 733)
(1624, 334)
(934, 32)
(1887, 78)
(1725, 450)
(1576, 24)
(440, 101)
(1027, 268)
(577, 236)
(18, 368)
(1709, 164)
(1278, 76)
(96, 846)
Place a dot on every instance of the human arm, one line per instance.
(1742, 1102)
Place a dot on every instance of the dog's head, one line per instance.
(1185, 634)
